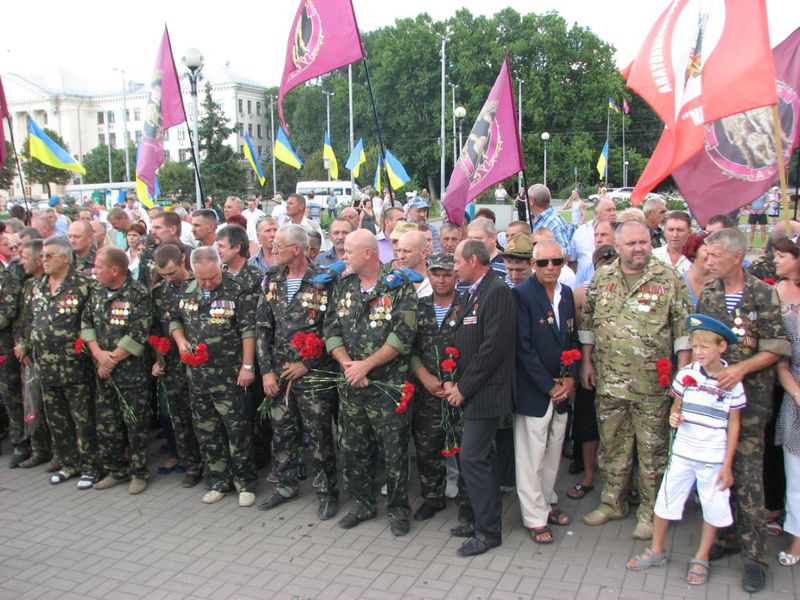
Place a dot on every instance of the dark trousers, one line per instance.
(479, 469)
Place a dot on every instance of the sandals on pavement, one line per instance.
(697, 574)
(557, 517)
(542, 535)
(60, 477)
(788, 560)
(645, 560)
(774, 526)
(579, 490)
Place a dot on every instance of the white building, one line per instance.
(86, 117)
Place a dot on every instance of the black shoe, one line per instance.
(478, 545)
(328, 507)
(276, 499)
(34, 461)
(466, 530)
(717, 552)
(575, 467)
(427, 511)
(301, 472)
(352, 519)
(754, 579)
(191, 479)
(17, 460)
(399, 527)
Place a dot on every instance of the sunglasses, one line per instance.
(543, 262)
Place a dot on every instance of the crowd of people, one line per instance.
(258, 340)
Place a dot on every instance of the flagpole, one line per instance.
(272, 141)
(378, 127)
(624, 161)
(19, 167)
(777, 132)
(608, 132)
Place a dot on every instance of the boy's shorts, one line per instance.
(677, 484)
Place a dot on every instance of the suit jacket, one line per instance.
(485, 332)
(540, 344)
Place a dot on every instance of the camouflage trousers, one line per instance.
(368, 420)
(747, 494)
(37, 429)
(426, 429)
(122, 406)
(623, 424)
(175, 390)
(71, 416)
(11, 396)
(309, 411)
(225, 436)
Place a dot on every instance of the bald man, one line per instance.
(412, 253)
(582, 243)
(81, 239)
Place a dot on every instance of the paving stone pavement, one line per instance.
(57, 542)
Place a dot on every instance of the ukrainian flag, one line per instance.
(357, 158)
(250, 154)
(284, 152)
(397, 173)
(142, 193)
(377, 183)
(327, 152)
(612, 105)
(41, 147)
(602, 162)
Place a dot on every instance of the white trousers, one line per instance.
(791, 464)
(537, 454)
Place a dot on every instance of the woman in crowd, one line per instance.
(366, 219)
(698, 274)
(134, 234)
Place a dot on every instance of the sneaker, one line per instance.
(451, 490)
(86, 482)
(137, 486)
(643, 530)
(33, 461)
(247, 499)
(109, 481)
(213, 496)
(272, 477)
(61, 476)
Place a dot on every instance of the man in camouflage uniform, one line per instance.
(289, 304)
(81, 239)
(436, 324)
(166, 230)
(370, 330)
(215, 310)
(169, 264)
(633, 316)
(10, 380)
(115, 324)
(756, 319)
(58, 299)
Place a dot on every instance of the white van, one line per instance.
(323, 189)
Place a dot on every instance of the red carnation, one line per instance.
(201, 348)
(3, 359)
(689, 381)
(769, 281)
(153, 340)
(448, 365)
(298, 341)
(454, 352)
(79, 343)
(164, 346)
(29, 418)
(568, 357)
(663, 380)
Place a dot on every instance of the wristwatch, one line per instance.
(249, 367)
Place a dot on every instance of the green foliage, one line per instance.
(222, 172)
(177, 179)
(9, 170)
(96, 164)
(38, 172)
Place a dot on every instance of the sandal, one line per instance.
(579, 490)
(700, 573)
(774, 526)
(60, 477)
(788, 560)
(557, 517)
(633, 497)
(645, 560)
(542, 535)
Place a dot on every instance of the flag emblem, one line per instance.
(152, 116)
(484, 144)
(307, 37)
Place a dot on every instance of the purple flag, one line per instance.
(492, 151)
(164, 110)
(324, 37)
(738, 162)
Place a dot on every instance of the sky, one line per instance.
(93, 37)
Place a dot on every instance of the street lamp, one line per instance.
(125, 125)
(193, 59)
(108, 145)
(445, 38)
(272, 142)
(460, 112)
(519, 124)
(545, 139)
(453, 87)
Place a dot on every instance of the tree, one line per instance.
(9, 170)
(221, 171)
(96, 164)
(177, 179)
(35, 171)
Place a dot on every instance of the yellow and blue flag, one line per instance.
(612, 105)
(602, 161)
(377, 183)
(142, 193)
(357, 158)
(250, 154)
(327, 152)
(48, 152)
(284, 152)
(397, 173)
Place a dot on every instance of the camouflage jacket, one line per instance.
(250, 277)
(165, 301)
(120, 318)
(22, 324)
(363, 321)
(431, 340)
(632, 329)
(85, 264)
(147, 266)
(763, 267)
(56, 326)
(278, 321)
(221, 320)
(10, 293)
(756, 320)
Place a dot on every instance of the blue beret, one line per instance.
(53, 202)
(698, 321)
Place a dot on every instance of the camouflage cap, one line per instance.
(441, 260)
(519, 246)
(402, 227)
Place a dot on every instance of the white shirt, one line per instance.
(567, 277)
(186, 235)
(424, 290)
(500, 194)
(577, 212)
(557, 300)
(279, 213)
(682, 265)
(582, 246)
(252, 217)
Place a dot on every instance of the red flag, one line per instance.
(739, 160)
(3, 114)
(492, 151)
(324, 36)
(700, 62)
(164, 110)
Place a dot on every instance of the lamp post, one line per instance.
(519, 124)
(445, 38)
(108, 145)
(453, 87)
(545, 139)
(272, 143)
(125, 124)
(460, 112)
(327, 162)
(193, 59)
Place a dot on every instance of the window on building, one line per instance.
(249, 107)
(258, 108)
(259, 151)
(101, 140)
(241, 128)
(110, 117)
(166, 135)
(166, 156)
(137, 114)
(44, 118)
(241, 105)
(113, 138)
(182, 155)
(101, 118)
(138, 137)
(250, 129)
(241, 149)
(127, 114)
(258, 130)
(181, 134)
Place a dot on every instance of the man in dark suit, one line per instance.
(546, 328)
(485, 386)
